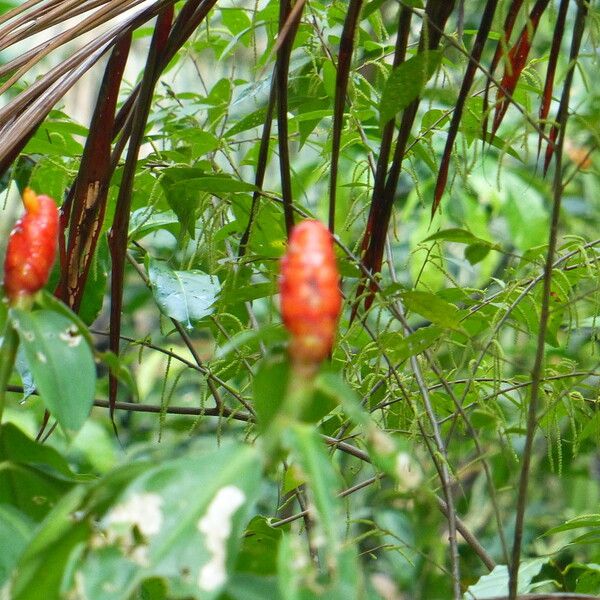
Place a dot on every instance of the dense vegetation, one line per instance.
(155, 441)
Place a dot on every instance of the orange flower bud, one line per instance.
(310, 294)
(31, 247)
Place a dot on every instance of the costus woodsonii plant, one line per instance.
(310, 293)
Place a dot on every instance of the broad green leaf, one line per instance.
(526, 213)
(332, 384)
(258, 552)
(183, 516)
(434, 118)
(53, 544)
(433, 308)
(382, 448)
(244, 586)
(495, 584)
(61, 363)
(17, 447)
(589, 581)
(329, 78)
(406, 82)
(55, 137)
(16, 529)
(475, 253)
(200, 142)
(235, 19)
(185, 296)
(271, 389)
(51, 302)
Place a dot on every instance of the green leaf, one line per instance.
(255, 119)
(589, 581)
(185, 296)
(200, 142)
(248, 340)
(406, 82)
(455, 234)
(400, 347)
(247, 293)
(15, 531)
(215, 184)
(18, 448)
(332, 384)
(235, 19)
(495, 584)
(433, 308)
(183, 516)
(269, 388)
(475, 253)
(146, 220)
(61, 363)
(250, 587)
(258, 554)
(182, 201)
(53, 543)
(592, 520)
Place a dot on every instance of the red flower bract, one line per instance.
(310, 294)
(31, 247)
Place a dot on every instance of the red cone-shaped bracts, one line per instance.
(310, 294)
(31, 247)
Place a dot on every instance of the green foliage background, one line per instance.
(418, 423)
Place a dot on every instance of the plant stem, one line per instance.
(537, 370)
(297, 395)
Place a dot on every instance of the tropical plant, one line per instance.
(445, 446)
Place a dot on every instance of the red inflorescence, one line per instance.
(310, 294)
(31, 247)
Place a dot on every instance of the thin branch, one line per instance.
(536, 374)
(471, 540)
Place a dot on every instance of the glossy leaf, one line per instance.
(61, 363)
(495, 584)
(186, 296)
